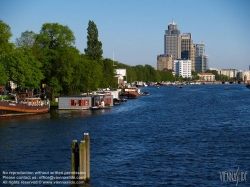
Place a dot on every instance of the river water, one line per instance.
(174, 137)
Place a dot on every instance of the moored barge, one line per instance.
(23, 107)
(131, 93)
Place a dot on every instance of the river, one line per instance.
(194, 136)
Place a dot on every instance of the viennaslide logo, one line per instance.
(237, 176)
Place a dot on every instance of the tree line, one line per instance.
(50, 58)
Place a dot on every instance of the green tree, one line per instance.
(24, 69)
(140, 72)
(94, 47)
(6, 48)
(152, 74)
(69, 59)
(195, 75)
(27, 39)
(56, 51)
(54, 35)
(131, 74)
(166, 76)
(108, 74)
(91, 74)
(177, 77)
(4, 77)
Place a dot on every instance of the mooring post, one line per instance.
(82, 159)
(87, 143)
(74, 159)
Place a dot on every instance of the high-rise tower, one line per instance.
(201, 59)
(172, 41)
(188, 49)
(181, 46)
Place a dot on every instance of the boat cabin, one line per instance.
(24, 94)
(80, 102)
(74, 102)
(32, 101)
(98, 99)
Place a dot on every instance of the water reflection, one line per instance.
(22, 118)
(55, 113)
(174, 137)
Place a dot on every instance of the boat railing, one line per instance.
(34, 102)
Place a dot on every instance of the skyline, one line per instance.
(134, 30)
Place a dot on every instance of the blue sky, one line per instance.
(134, 29)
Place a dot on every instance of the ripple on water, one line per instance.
(174, 137)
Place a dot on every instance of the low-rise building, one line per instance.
(234, 73)
(231, 73)
(120, 74)
(206, 76)
(244, 75)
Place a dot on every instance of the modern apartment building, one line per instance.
(188, 49)
(231, 73)
(164, 62)
(172, 41)
(201, 59)
(183, 68)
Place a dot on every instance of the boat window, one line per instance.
(77, 102)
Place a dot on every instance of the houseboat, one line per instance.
(76, 102)
(102, 100)
(85, 101)
(115, 93)
(23, 106)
